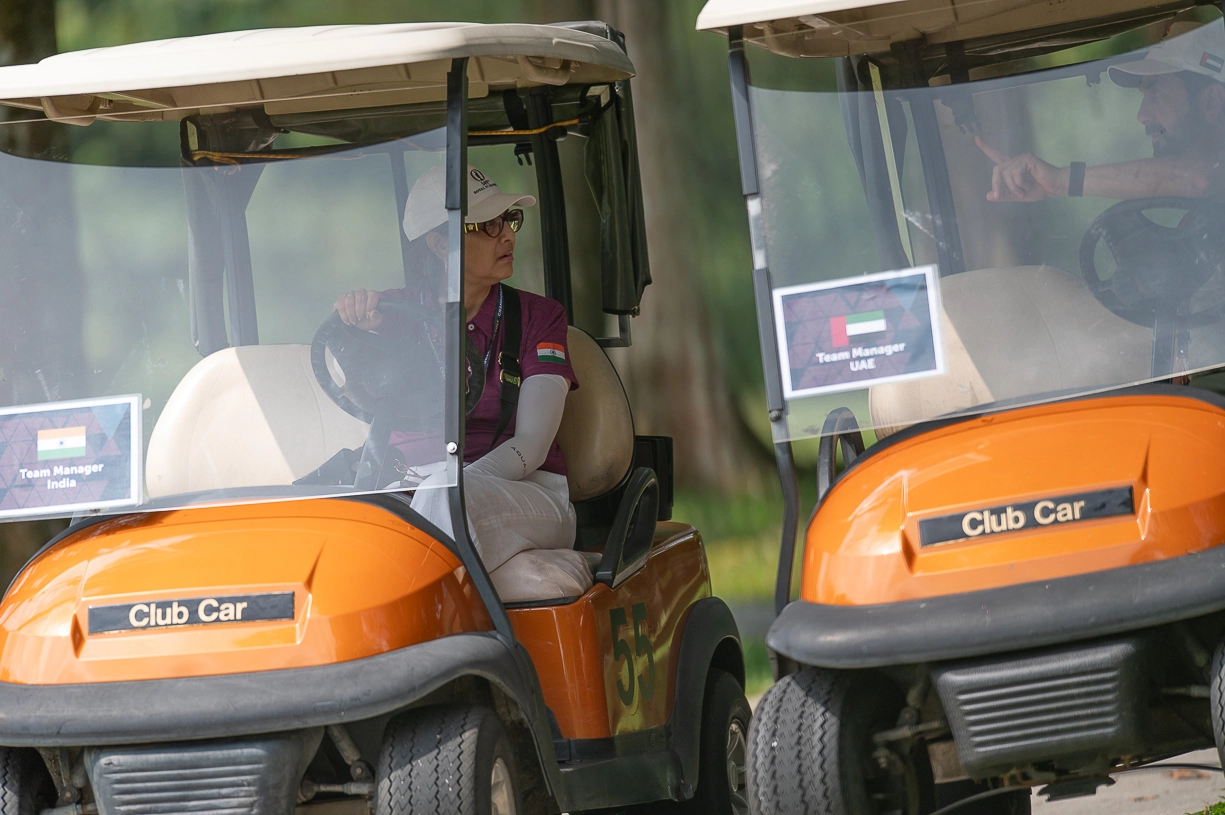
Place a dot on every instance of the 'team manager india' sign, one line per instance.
(848, 334)
(66, 457)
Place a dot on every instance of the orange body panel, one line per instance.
(364, 583)
(585, 679)
(863, 545)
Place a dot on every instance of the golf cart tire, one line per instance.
(723, 704)
(25, 785)
(810, 745)
(1216, 699)
(440, 761)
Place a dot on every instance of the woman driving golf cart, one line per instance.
(515, 475)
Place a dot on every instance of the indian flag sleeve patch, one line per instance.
(551, 352)
(64, 442)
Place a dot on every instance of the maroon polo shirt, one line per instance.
(542, 350)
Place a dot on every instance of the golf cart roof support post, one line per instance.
(457, 208)
(552, 201)
(949, 254)
(399, 181)
(235, 243)
(738, 70)
(205, 280)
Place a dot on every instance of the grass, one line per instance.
(742, 543)
(742, 539)
(758, 677)
(1213, 809)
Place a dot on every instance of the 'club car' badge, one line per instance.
(237, 608)
(1045, 512)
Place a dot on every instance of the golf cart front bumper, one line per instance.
(159, 710)
(1009, 618)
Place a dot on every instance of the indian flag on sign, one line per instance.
(550, 352)
(64, 442)
(841, 329)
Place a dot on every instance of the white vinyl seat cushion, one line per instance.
(250, 416)
(597, 429)
(1016, 332)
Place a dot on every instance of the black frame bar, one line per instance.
(457, 208)
(949, 253)
(554, 240)
(738, 69)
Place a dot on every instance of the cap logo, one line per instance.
(1212, 62)
(481, 179)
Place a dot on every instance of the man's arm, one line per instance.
(1179, 177)
(1028, 178)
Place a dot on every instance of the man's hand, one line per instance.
(1023, 178)
(357, 308)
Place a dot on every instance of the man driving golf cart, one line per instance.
(1182, 111)
(964, 629)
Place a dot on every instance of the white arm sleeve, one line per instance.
(542, 398)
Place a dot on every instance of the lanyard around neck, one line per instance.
(493, 338)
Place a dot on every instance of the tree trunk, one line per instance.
(27, 34)
(673, 374)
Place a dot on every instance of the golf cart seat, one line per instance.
(597, 429)
(1053, 336)
(237, 419)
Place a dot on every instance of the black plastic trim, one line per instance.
(640, 741)
(742, 115)
(633, 530)
(790, 484)
(1005, 619)
(709, 625)
(624, 781)
(203, 707)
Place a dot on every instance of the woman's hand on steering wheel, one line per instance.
(358, 308)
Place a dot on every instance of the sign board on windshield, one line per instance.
(67, 457)
(847, 334)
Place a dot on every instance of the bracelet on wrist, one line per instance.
(1076, 179)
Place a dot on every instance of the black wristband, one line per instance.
(1076, 179)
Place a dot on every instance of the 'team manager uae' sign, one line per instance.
(848, 334)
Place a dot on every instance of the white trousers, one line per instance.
(513, 523)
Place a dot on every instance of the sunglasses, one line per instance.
(494, 226)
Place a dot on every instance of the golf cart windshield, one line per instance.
(167, 333)
(925, 253)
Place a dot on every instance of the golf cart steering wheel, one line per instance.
(403, 369)
(392, 383)
(1158, 269)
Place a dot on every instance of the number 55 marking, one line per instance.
(642, 647)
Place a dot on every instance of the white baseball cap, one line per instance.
(1198, 49)
(426, 207)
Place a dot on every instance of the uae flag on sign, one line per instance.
(64, 442)
(841, 329)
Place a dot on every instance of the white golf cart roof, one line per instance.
(296, 70)
(837, 28)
